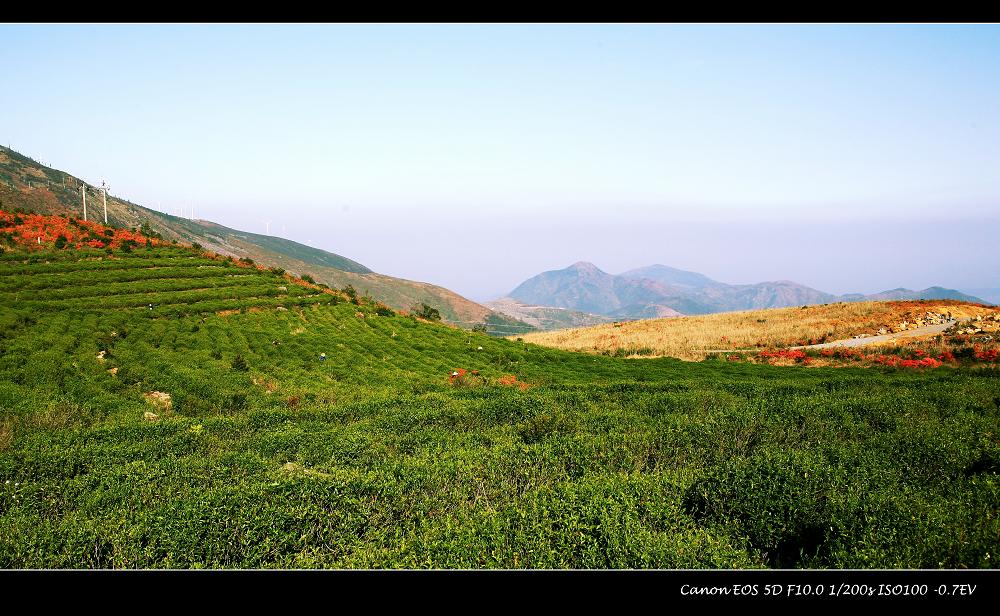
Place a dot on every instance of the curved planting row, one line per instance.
(63, 267)
(163, 252)
(157, 298)
(248, 303)
(100, 278)
(157, 285)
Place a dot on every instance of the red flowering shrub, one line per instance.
(990, 355)
(896, 361)
(793, 354)
(40, 230)
(927, 362)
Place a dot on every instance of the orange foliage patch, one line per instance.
(511, 381)
(41, 231)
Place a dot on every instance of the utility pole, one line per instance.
(104, 196)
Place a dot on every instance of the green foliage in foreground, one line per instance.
(270, 457)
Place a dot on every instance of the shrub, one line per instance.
(966, 353)
(463, 378)
(191, 405)
(308, 278)
(544, 424)
(239, 364)
(424, 311)
(786, 514)
(147, 231)
(236, 402)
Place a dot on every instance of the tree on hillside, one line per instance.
(426, 312)
(352, 294)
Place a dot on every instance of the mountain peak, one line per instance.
(584, 266)
(665, 274)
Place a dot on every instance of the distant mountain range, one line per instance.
(28, 185)
(659, 291)
(991, 295)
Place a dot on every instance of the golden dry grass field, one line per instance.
(690, 337)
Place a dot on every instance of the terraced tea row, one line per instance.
(15, 282)
(173, 280)
(154, 285)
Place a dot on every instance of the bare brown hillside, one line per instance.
(690, 337)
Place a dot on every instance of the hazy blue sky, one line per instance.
(848, 158)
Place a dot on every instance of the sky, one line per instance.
(850, 158)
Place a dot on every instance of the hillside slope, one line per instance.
(28, 185)
(672, 276)
(545, 317)
(928, 293)
(690, 337)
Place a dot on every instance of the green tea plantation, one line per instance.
(163, 409)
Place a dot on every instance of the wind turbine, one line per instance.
(83, 192)
(267, 225)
